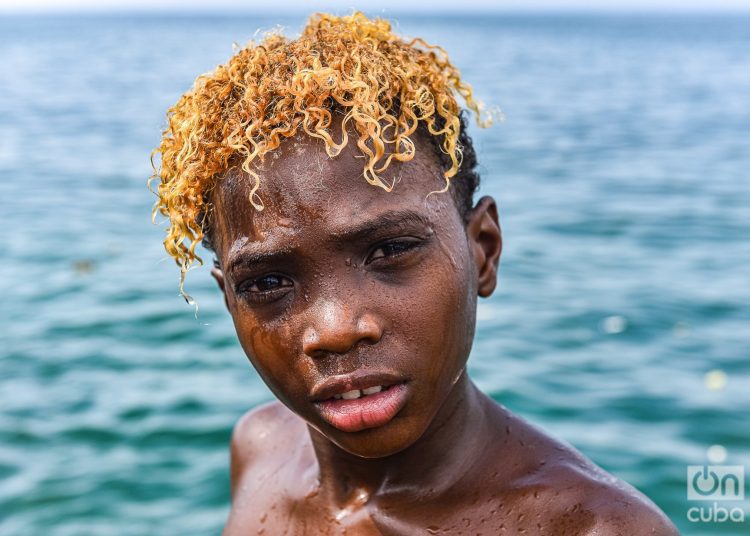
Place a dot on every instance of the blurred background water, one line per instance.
(620, 323)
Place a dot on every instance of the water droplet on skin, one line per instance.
(263, 517)
(285, 222)
(348, 262)
(432, 529)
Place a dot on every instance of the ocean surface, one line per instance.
(621, 323)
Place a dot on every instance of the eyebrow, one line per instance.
(249, 257)
(357, 232)
(383, 221)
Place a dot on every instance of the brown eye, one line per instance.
(269, 282)
(392, 249)
(265, 289)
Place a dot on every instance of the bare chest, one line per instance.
(289, 508)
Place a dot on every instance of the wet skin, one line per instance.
(336, 276)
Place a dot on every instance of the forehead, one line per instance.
(301, 187)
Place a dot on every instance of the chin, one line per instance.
(378, 442)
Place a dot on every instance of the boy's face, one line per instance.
(338, 277)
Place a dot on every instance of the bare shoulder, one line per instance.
(257, 433)
(606, 505)
(569, 494)
(265, 442)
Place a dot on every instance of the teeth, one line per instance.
(356, 393)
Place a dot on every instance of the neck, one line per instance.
(452, 444)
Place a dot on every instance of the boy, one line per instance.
(356, 302)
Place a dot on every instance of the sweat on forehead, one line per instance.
(300, 182)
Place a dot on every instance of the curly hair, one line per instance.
(386, 89)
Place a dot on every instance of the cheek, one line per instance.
(270, 347)
(453, 319)
(437, 316)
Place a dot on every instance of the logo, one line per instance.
(715, 483)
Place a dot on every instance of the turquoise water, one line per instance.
(622, 176)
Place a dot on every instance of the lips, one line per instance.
(362, 400)
(359, 380)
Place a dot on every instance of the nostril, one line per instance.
(310, 337)
(318, 344)
(369, 329)
(311, 342)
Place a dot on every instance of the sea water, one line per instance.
(621, 320)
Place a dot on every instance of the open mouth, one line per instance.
(358, 409)
(359, 393)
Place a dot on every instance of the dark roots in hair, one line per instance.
(463, 186)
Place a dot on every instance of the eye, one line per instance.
(265, 289)
(392, 249)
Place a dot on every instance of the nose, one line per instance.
(337, 328)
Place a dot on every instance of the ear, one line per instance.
(486, 243)
(218, 275)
